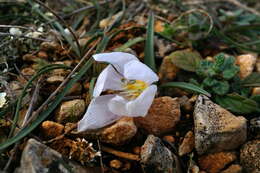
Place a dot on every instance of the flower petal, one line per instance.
(137, 70)
(109, 78)
(117, 59)
(138, 107)
(98, 114)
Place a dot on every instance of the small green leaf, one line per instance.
(149, 44)
(187, 86)
(186, 59)
(237, 104)
(220, 87)
(231, 72)
(253, 80)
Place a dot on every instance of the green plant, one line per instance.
(216, 75)
(219, 77)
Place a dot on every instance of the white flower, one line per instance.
(130, 81)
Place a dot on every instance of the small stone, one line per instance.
(250, 156)
(246, 63)
(187, 144)
(255, 127)
(55, 79)
(258, 65)
(216, 129)
(169, 138)
(155, 157)
(29, 57)
(51, 129)
(115, 164)
(162, 116)
(235, 168)
(167, 70)
(28, 71)
(37, 157)
(213, 163)
(42, 54)
(186, 104)
(49, 46)
(120, 132)
(70, 111)
(256, 91)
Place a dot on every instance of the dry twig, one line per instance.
(121, 154)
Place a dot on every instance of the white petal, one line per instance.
(138, 107)
(97, 115)
(140, 71)
(117, 59)
(109, 78)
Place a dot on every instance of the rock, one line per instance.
(167, 70)
(55, 79)
(235, 168)
(246, 63)
(255, 127)
(30, 57)
(37, 157)
(42, 54)
(115, 164)
(250, 156)
(258, 65)
(213, 163)
(70, 111)
(256, 91)
(187, 144)
(216, 129)
(28, 71)
(120, 132)
(162, 116)
(51, 129)
(156, 158)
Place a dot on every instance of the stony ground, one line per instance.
(195, 125)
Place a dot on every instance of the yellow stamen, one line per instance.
(133, 88)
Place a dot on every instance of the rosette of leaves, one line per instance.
(217, 74)
(219, 77)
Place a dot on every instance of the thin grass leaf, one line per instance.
(57, 25)
(187, 86)
(91, 86)
(149, 44)
(42, 116)
(129, 43)
(43, 70)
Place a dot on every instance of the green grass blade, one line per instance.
(19, 102)
(129, 43)
(149, 44)
(42, 116)
(187, 86)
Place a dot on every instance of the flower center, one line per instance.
(133, 88)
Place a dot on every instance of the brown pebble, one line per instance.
(137, 150)
(213, 163)
(162, 116)
(42, 54)
(115, 164)
(169, 138)
(29, 57)
(235, 168)
(51, 129)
